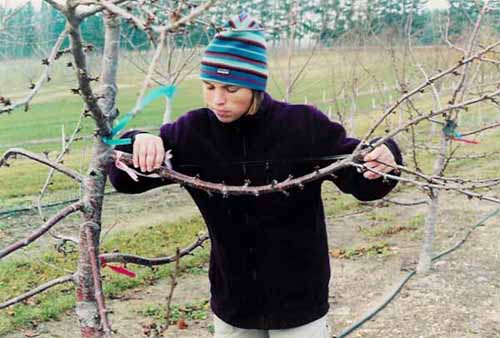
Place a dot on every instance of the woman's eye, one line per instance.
(232, 89)
(210, 87)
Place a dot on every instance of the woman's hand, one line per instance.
(379, 159)
(148, 152)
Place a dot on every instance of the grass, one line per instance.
(189, 311)
(377, 249)
(386, 229)
(21, 274)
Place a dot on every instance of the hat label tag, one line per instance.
(223, 71)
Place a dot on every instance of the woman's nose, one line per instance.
(219, 97)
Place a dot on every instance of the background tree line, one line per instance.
(332, 22)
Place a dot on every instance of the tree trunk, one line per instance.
(92, 195)
(432, 217)
(91, 314)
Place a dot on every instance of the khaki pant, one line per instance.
(316, 329)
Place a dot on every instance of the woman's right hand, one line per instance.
(148, 152)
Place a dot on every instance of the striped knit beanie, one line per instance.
(237, 55)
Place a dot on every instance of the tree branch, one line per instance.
(41, 230)
(112, 7)
(225, 190)
(64, 150)
(144, 261)
(40, 289)
(97, 279)
(83, 77)
(425, 84)
(45, 75)
(476, 131)
(61, 168)
(57, 4)
(94, 8)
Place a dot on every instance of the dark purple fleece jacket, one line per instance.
(269, 263)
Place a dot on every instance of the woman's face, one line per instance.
(228, 102)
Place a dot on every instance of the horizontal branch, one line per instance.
(41, 230)
(42, 79)
(225, 190)
(94, 8)
(124, 258)
(28, 154)
(490, 126)
(434, 185)
(188, 18)
(113, 8)
(40, 289)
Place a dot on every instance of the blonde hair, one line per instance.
(257, 98)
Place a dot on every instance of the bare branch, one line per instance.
(476, 131)
(225, 190)
(97, 278)
(173, 284)
(435, 113)
(83, 77)
(427, 186)
(446, 38)
(472, 42)
(62, 169)
(45, 75)
(57, 4)
(113, 8)
(40, 289)
(93, 8)
(64, 150)
(42, 230)
(425, 84)
(149, 75)
(125, 258)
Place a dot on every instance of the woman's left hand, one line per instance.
(379, 159)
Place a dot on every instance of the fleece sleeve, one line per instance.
(122, 182)
(331, 138)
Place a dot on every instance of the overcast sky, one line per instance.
(13, 3)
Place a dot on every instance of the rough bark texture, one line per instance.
(92, 196)
(90, 310)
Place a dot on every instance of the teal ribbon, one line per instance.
(450, 129)
(153, 95)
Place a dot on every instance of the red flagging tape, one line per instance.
(118, 269)
(464, 140)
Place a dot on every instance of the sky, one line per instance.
(433, 4)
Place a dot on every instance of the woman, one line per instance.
(269, 263)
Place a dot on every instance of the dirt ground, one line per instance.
(460, 298)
